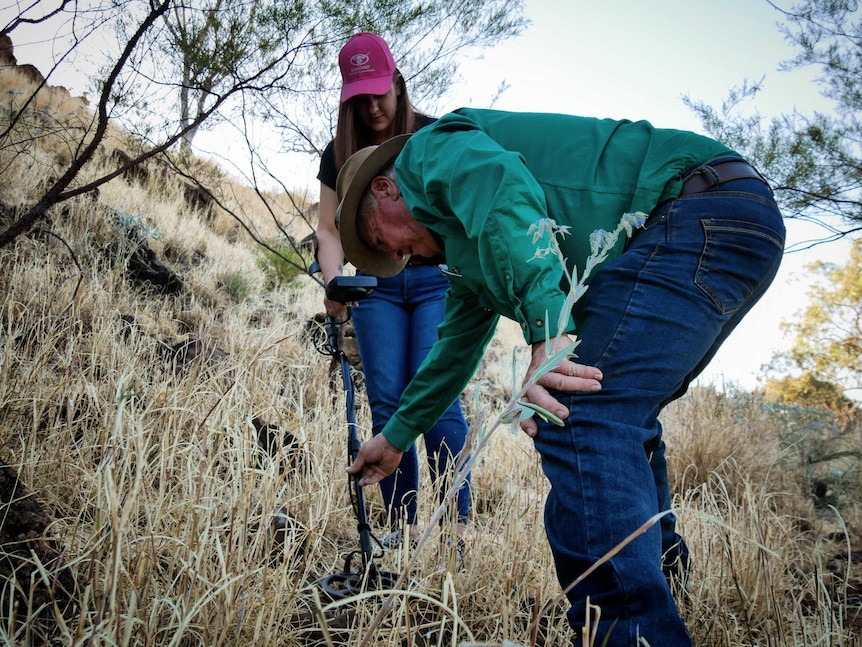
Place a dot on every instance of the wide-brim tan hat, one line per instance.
(353, 180)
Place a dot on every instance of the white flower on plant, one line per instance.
(548, 227)
(601, 244)
(634, 220)
(598, 239)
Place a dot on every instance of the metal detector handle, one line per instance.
(362, 525)
(345, 289)
(332, 335)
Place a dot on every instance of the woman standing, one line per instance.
(397, 325)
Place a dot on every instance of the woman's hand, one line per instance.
(335, 309)
(566, 376)
(376, 459)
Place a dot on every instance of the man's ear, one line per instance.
(382, 186)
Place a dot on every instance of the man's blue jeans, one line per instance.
(396, 327)
(653, 318)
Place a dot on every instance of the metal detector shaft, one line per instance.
(353, 444)
(350, 582)
(349, 289)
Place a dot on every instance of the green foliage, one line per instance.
(828, 332)
(236, 285)
(814, 162)
(426, 39)
(810, 391)
(280, 59)
(213, 42)
(134, 223)
(826, 443)
(281, 265)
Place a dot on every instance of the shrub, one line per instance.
(282, 266)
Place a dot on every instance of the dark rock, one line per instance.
(278, 444)
(188, 350)
(132, 172)
(7, 51)
(24, 548)
(31, 73)
(145, 267)
(308, 245)
(198, 198)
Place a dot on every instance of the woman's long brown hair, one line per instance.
(351, 134)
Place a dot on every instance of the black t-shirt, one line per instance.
(328, 174)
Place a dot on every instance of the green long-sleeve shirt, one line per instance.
(477, 179)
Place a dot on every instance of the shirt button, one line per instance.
(508, 276)
(540, 323)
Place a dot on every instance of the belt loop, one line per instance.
(717, 171)
(706, 169)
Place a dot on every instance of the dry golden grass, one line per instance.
(168, 511)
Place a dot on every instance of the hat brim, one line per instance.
(367, 259)
(379, 85)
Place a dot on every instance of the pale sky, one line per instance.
(636, 60)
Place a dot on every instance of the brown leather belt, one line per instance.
(710, 175)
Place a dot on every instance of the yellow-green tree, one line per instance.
(827, 333)
(810, 391)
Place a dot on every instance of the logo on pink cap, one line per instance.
(366, 66)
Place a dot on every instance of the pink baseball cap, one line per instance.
(366, 66)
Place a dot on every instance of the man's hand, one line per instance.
(567, 376)
(376, 459)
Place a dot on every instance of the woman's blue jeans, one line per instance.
(396, 327)
(653, 318)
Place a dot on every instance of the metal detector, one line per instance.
(349, 582)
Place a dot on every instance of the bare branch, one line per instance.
(55, 193)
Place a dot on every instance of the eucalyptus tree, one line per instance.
(824, 362)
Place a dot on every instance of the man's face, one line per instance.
(392, 229)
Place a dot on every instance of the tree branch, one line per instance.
(55, 194)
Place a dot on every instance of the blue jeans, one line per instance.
(396, 327)
(652, 320)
